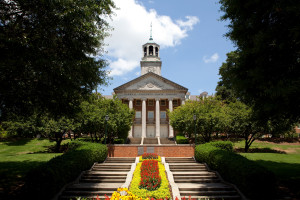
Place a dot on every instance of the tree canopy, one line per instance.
(51, 53)
(265, 71)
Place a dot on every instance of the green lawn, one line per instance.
(286, 165)
(18, 157)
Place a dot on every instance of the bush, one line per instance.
(252, 179)
(119, 141)
(46, 180)
(225, 145)
(181, 139)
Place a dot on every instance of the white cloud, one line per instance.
(189, 23)
(151, 1)
(121, 66)
(211, 59)
(131, 25)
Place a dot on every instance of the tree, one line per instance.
(48, 53)
(210, 117)
(92, 117)
(265, 75)
(224, 89)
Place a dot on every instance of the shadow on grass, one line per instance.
(258, 150)
(288, 175)
(17, 141)
(12, 175)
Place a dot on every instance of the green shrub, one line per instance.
(225, 145)
(46, 180)
(252, 179)
(119, 141)
(181, 139)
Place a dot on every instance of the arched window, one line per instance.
(145, 51)
(156, 51)
(151, 50)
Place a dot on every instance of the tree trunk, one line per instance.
(58, 139)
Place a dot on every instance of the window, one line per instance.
(126, 102)
(175, 102)
(150, 114)
(156, 51)
(138, 102)
(163, 114)
(151, 50)
(150, 102)
(163, 102)
(138, 114)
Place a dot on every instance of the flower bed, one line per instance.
(150, 178)
(161, 192)
(149, 156)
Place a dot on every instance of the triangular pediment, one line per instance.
(150, 82)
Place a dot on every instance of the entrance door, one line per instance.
(150, 131)
(164, 131)
(137, 131)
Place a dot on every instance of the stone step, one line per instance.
(186, 165)
(203, 187)
(89, 193)
(118, 161)
(74, 197)
(213, 176)
(94, 187)
(203, 180)
(112, 164)
(188, 170)
(201, 173)
(90, 176)
(100, 173)
(181, 161)
(211, 197)
(91, 180)
(110, 170)
(121, 158)
(207, 193)
(112, 167)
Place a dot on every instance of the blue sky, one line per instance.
(190, 34)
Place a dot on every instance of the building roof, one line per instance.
(149, 74)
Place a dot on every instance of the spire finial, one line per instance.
(151, 32)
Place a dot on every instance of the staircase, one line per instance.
(193, 179)
(150, 141)
(103, 179)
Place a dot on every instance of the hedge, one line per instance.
(181, 139)
(253, 180)
(224, 145)
(47, 180)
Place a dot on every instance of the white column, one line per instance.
(182, 102)
(171, 131)
(143, 118)
(130, 107)
(157, 118)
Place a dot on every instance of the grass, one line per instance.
(286, 165)
(18, 157)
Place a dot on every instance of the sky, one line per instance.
(190, 34)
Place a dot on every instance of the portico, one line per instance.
(151, 96)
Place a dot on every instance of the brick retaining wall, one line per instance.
(161, 150)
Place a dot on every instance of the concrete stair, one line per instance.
(194, 180)
(150, 141)
(103, 179)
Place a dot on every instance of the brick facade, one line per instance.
(161, 150)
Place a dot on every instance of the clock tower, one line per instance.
(151, 61)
